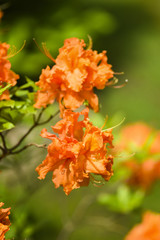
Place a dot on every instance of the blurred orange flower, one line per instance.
(149, 229)
(145, 142)
(143, 174)
(79, 151)
(136, 133)
(4, 221)
(155, 146)
(6, 75)
(71, 80)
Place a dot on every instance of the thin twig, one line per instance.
(36, 123)
(29, 145)
(2, 149)
(24, 136)
(46, 121)
(40, 114)
(10, 151)
(3, 141)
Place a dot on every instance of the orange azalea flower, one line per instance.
(149, 229)
(144, 169)
(139, 134)
(143, 174)
(6, 75)
(71, 80)
(136, 134)
(79, 151)
(4, 221)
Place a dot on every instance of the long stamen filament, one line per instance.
(13, 51)
(115, 125)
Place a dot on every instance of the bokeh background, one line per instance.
(130, 32)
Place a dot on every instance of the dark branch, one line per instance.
(2, 149)
(36, 123)
(40, 114)
(24, 136)
(29, 145)
(3, 141)
(52, 116)
(9, 151)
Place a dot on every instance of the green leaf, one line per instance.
(123, 201)
(7, 103)
(2, 120)
(5, 114)
(21, 93)
(2, 89)
(31, 97)
(29, 83)
(27, 110)
(6, 126)
(19, 104)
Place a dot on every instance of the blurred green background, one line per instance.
(130, 32)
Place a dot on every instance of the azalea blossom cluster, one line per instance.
(144, 166)
(77, 70)
(78, 151)
(4, 221)
(7, 76)
(71, 80)
(81, 148)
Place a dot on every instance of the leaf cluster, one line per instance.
(21, 104)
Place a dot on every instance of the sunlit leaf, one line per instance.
(7, 103)
(21, 93)
(2, 89)
(124, 200)
(6, 126)
(29, 83)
